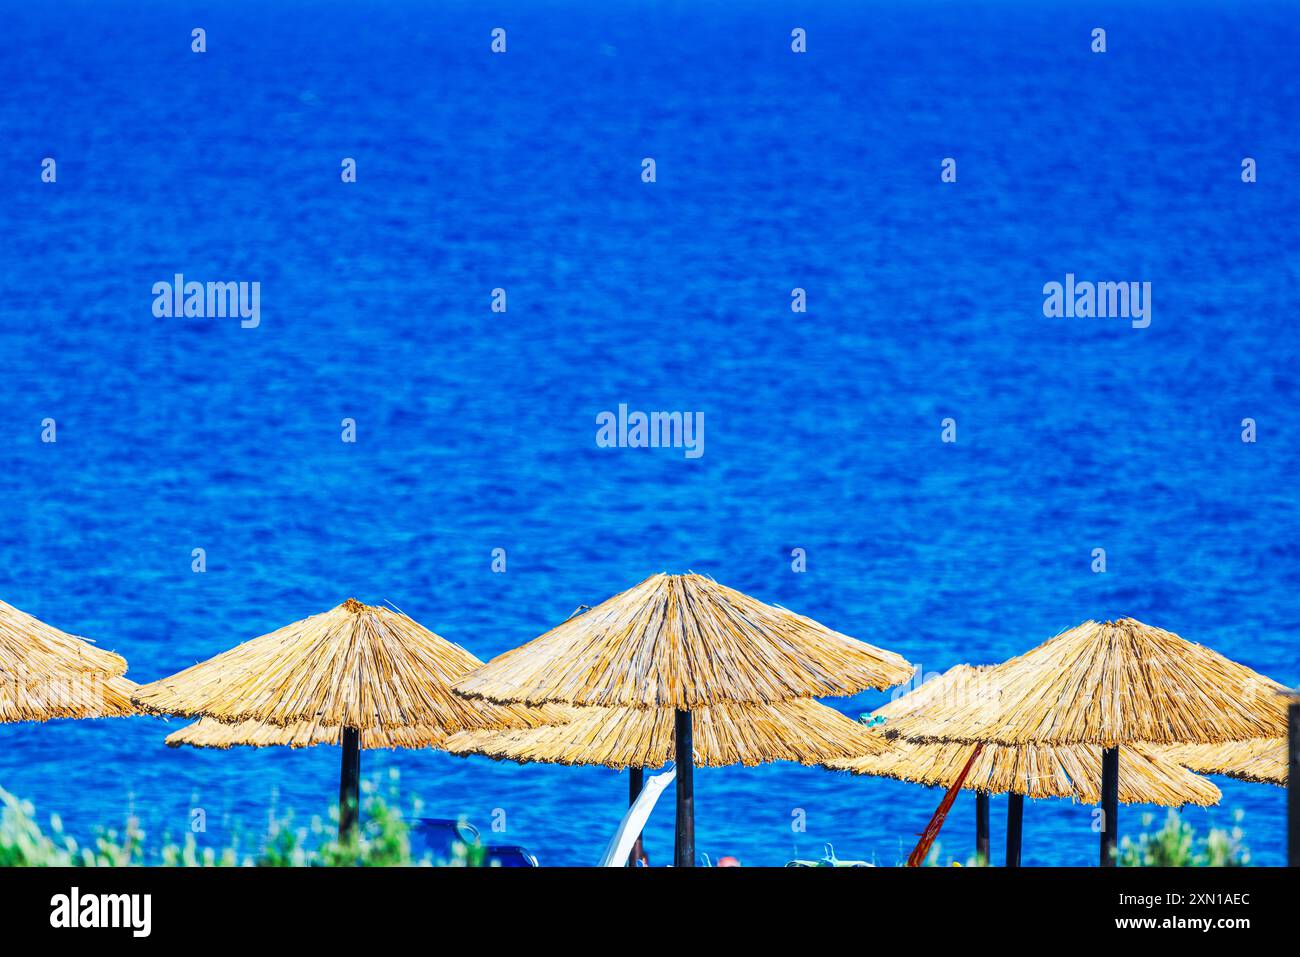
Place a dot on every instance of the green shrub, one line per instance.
(24, 844)
(1176, 844)
(382, 840)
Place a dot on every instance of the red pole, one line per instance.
(917, 857)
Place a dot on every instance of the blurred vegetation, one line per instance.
(1176, 844)
(382, 840)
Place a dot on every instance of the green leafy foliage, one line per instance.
(382, 840)
(1176, 844)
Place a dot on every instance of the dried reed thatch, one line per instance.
(211, 733)
(29, 642)
(684, 642)
(955, 688)
(1118, 682)
(85, 694)
(1039, 771)
(727, 733)
(46, 673)
(355, 666)
(1259, 760)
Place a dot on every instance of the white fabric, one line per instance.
(620, 845)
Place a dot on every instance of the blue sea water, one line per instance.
(476, 429)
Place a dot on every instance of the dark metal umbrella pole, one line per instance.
(1109, 807)
(684, 844)
(1293, 785)
(1015, 817)
(349, 785)
(635, 783)
(982, 828)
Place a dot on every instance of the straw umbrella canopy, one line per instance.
(1108, 684)
(1039, 771)
(1259, 760)
(725, 734)
(211, 733)
(85, 694)
(46, 673)
(366, 670)
(1036, 771)
(682, 643)
(25, 637)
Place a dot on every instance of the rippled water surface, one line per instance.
(476, 430)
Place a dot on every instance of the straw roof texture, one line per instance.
(28, 645)
(86, 694)
(355, 666)
(47, 673)
(1259, 760)
(723, 734)
(1117, 682)
(1061, 771)
(211, 733)
(1037, 771)
(684, 642)
(955, 688)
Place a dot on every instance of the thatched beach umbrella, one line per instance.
(1019, 771)
(1039, 771)
(1035, 771)
(679, 644)
(211, 733)
(47, 673)
(371, 672)
(1111, 684)
(643, 738)
(1259, 760)
(724, 734)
